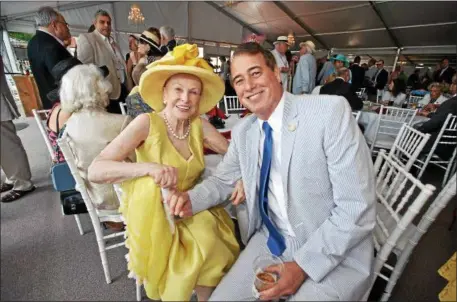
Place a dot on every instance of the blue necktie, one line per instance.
(275, 242)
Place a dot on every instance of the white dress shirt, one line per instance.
(117, 56)
(281, 61)
(276, 201)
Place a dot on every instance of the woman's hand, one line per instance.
(164, 176)
(238, 195)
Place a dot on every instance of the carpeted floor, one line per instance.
(43, 257)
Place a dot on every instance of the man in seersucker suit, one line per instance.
(309, 184)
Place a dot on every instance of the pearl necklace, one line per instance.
(181, 137)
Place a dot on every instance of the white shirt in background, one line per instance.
(281, 61)
(398, 100)
(276, 201)
(317, 89)
(426, 100)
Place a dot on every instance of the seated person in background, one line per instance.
(413, 80)
(433, 126)
(341, 87)
(84, 94)
(435, 96)
(57, 117)
(149, 50)
(169, 143)
(396, 94)
(329, 79)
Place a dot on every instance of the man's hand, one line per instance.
(238, 195)
(289, 282)
(179, 204)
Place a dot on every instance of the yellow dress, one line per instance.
(448, 271)
(202, 248)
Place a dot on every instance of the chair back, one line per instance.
(356, 115)
(390, 120)
(123, 107)
(65, 143)
(408, 145)
(400, 198)
(232, 104)
(361, 93)
(38, 114)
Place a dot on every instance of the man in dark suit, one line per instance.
(433, 126)
(358, 74)
(46, 49)
(341, 87)
(378, 81)
(445, 73)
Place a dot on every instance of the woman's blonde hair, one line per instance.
(330, 78)
(84, 87)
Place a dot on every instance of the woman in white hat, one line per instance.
(196, 252)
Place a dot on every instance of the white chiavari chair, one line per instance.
(41, 123)
(406, 244)
(446, 136)
(390, 120)
(408, 145)
(95, 216)
(400, 197)
(356, 115)
(123, 107)
(232, 105)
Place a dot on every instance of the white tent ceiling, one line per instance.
(426, 30)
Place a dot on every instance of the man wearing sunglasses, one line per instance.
(46, 49)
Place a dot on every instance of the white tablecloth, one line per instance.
(368, 120)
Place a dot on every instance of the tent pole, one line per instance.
(113, 24)
(189, 28)
(396, 58)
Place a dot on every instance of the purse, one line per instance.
(71, 200)
(72, 203)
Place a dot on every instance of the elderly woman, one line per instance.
(84, 94)
(432, 100)
(195, 252)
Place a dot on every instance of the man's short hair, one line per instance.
(357, 59)
(381, 61)
(253, 48)
(102, 12)
(45, 15)
(167, 31)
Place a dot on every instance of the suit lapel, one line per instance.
(288, 133)
(252, 145)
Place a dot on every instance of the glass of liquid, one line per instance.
(265, 276)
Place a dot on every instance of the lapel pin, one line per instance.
(292, 127)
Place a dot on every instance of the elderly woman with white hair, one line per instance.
(433, 100)
(84, 94)
(305, 76)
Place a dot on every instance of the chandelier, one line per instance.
(291, 39)
(135, 15)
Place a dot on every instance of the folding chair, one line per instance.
(406, 244)
(232, 105)
(361, 93)
(41, 126)
(414, 99)
(408, 145)
(400, 198)
(95, 216)
(123, 107)
(356, 115)
(446, 136)
(390, 120)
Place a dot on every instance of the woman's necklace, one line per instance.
(181, 137)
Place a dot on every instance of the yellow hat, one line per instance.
(183, 59)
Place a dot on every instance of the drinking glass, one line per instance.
(263, 279)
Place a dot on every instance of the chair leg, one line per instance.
(138, 291)
(104, 259)
(78, 223)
